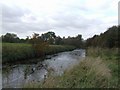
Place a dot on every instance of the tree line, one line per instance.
(107, 39)
(46, 38)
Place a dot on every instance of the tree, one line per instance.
(10, 37)
(38, 44)
(49, 37)
(74, 41)
(58, 40)
(107, 39)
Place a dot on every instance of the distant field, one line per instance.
(20, 51)
(15, 51)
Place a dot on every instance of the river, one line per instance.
(21, 74)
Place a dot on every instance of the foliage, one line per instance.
(39, 45)
(47, 38)
(15, 52)
(95, 71)
(58, 40)
(58, 48)
(111, 58)
(107, 39)
(89, 73)
(75, 41)
(11, 38)
(18, 51)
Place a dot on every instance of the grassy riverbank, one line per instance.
(18, 51)
(98, 70)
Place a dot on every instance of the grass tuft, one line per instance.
(98, 70)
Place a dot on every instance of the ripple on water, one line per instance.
(57, 63)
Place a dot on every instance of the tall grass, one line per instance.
(90, 73)
(98, 70)
(15, 52)
(105, 53)
(111, 58)
(58, 48)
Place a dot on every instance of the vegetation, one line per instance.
(111, 59)
(36, 46)
(108, 39)
(49, 38)
(98, 70)
(58, 48)
(18, 51)
(12, 38)
(15, 51)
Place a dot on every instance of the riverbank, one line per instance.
(21, 74)
(17, 52)
(98, 70)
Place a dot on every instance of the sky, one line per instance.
(64, 17)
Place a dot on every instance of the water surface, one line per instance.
(57, 63)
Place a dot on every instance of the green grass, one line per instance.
(111, 58)
(58, 48)
(98, 70)
(18, 51)
(88, 74)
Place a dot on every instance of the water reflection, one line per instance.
(57, 63)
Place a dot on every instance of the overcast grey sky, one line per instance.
(64, 17)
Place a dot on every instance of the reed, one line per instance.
(98, 70)
(19, 51)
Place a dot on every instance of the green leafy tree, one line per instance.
(10, 37)
(107, 39)
(49, 37)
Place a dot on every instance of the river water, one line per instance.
(19, 75)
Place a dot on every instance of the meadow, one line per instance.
(20, 51)
(98, 70)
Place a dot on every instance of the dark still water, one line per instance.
(19, 75)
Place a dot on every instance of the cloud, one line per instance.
(19, 21)
(65, 18)
(12, 14)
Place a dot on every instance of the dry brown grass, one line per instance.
(91, 72)
(97, 70)
(98, 66)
